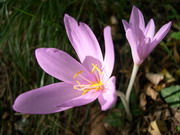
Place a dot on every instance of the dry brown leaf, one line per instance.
(168, 77)
(177, 116)
(154, 78)
(162, 126)
(143, 101)
(159, 87)
(153, 128)
(151, 92)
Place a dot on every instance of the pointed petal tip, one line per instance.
(135, 8)
(169, 23)
(66, 16)
(125, 24)
(69, 21)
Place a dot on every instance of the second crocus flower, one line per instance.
(141, 38)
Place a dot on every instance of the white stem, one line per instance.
(133, 76)
(126, 104)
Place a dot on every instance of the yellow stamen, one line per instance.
(77, 74)
(95, 86)
(95, 67)
(85, 91)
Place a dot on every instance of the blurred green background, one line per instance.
(30, 24)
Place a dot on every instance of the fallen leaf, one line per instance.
(159, 87)
(153, 128)
(177, 116)
(154, 78)
(151, 92)
(168, 77)
(162, 126)
(143, 101)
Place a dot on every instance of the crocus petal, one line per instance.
(134, 47)
(82, 39)
(150, 29)
(162, 32)
(109, 52)
(61, 65)
(137, 19)
(108, 97)
(82, 100)
(46, 99)
(126, 25)
(160, 35)
(144, 49)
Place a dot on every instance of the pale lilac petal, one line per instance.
(134, 46)
(150, 29)
(137, 19)
(61, 65)
(144, 49)
(160, 35)
(126, 25)
(162, 32)
(82, 100)
(46, 99)
(108, 97)
(109, 53)
(83, 39)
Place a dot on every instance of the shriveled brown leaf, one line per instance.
(168, 77)
(154, 78)
(153, 128)
(159, 87)
(162, 126)
(151, 92)
(143, 101)
(177, 116)
(166, 114)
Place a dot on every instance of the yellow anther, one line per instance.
(78, 82)
(77, 74)
(85, 91)
(95, 67)
(88, 85)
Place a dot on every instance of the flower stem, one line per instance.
(133, 76)
(126, 104)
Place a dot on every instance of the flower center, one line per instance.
(95, 86)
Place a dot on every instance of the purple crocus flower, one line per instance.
(83, 82)
(142, 39)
